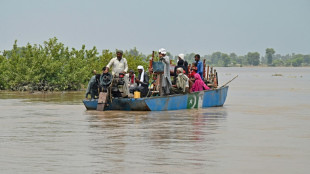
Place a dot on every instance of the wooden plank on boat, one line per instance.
(101, 101)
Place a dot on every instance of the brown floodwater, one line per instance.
(264, 127)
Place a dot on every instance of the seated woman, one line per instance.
(191, 75)
(193, 70)
(199, 85)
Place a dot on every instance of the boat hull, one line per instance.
(201, 99)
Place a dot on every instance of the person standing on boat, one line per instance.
(199, 65)
(119, 65)
(182, 83)
(165, 78)
(92, 87)
(142, 81)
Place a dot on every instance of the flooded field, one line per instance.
(264, 127)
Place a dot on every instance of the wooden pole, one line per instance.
(151, 64)
(229, 81)
(208, 73)
(211, 74)
(204, 68)
(215, 80)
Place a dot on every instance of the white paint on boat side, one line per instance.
(200, 99)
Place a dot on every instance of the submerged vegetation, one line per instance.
(53, 66)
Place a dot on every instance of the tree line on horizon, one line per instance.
(53, 66)
(270, 59)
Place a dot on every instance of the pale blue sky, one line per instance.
(199, 26)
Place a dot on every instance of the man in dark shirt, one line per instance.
(142, 81)
(92, 87)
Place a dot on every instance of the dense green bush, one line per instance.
(54, 67)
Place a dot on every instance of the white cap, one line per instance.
(140, 67)
(181, 56)
(162, 50)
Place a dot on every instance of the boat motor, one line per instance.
(117, 85)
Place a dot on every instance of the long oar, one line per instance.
(229, 81)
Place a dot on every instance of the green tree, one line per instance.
(190, 58)
(307, 59)
(233, 57)
(226, 59)
(297, 61)
(3, 68)
(134, 60)
(278, 62)
(215, 58)
(253, 58)
(269, 54)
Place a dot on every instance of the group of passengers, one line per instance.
(184, 81)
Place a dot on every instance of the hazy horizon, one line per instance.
(197, 26)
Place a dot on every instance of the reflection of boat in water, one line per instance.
(201, 99)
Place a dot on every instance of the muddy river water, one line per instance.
(263, 127)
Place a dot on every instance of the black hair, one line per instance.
(104, 68)
(197, 55)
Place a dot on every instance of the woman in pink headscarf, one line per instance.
(199, 85)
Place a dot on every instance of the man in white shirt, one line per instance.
(165, 79)
(118, 63)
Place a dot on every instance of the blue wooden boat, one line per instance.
(201, 99)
